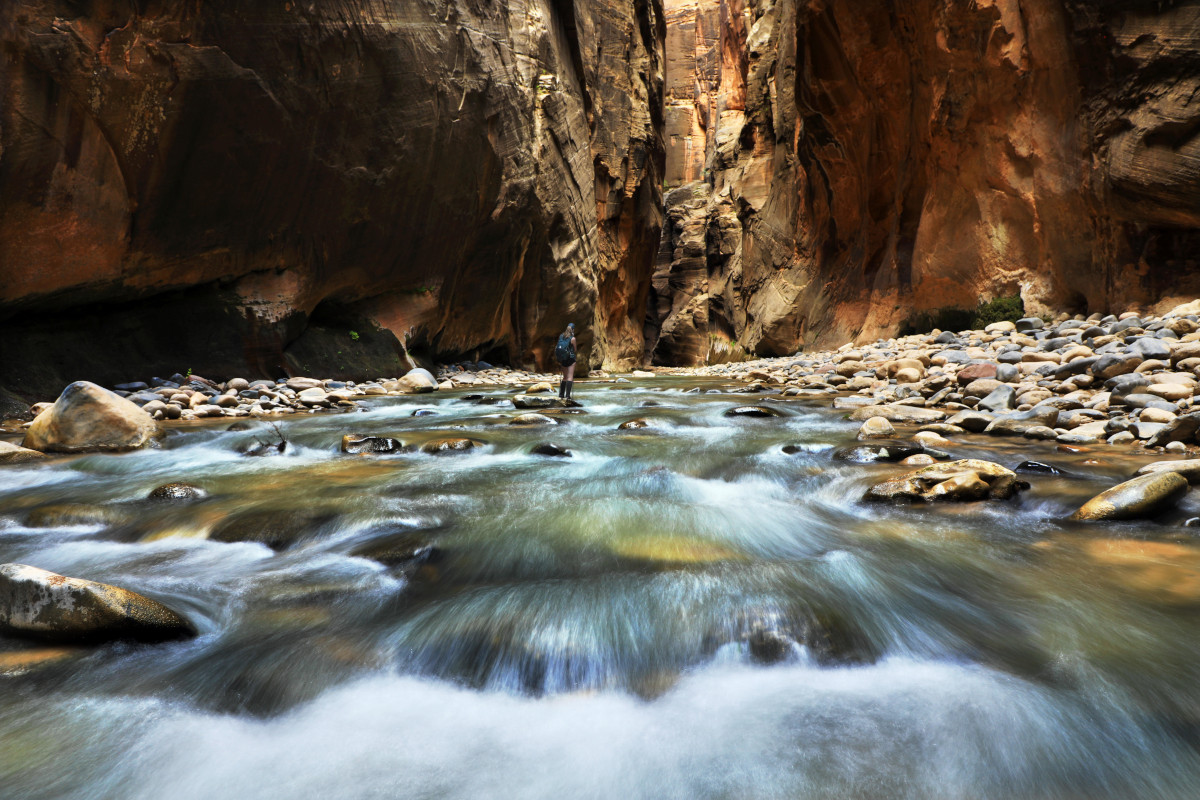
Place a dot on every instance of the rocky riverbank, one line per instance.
(1123, 380)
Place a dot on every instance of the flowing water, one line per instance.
(683, 611)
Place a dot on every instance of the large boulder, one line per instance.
(962, 480)
(418, 381)
(12, 454)
(39, 604)
(89, 418)
(1139, 498)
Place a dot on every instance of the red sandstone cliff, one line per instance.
(234, 186)
(844, 163)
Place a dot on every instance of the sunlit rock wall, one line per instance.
(233, 187)
(862, 161)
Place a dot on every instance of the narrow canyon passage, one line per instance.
(769, 546)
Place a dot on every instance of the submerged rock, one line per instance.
(633, 425)
(178, 492)
(89, 418)
(42, 605)
(770, 646)
(1038, 466)
(1139, 498)
(962, 480)
(551, 450)
(889, 450)
(278, 530)
(68, 514)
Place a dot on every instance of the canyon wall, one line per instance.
(841, 165)
(256, 188)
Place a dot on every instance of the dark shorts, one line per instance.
(568, 364)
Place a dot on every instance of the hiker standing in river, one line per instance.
(564, 353)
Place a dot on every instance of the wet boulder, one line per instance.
(753, 412)
(357, 444)
(533, 419)
(1139, 498)
(551, 450)
(885, 450)
(88, 418)
(177, 493)
(963, 480)
(770, 645)
(406, 549)
(38, 604)
(634, 425)
(529, 401)
(446, 446)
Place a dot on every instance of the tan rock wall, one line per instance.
(469, 176)
(870, 159)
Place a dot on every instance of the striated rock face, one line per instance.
(234, 187)
(843, 165)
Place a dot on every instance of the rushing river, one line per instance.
(684, 611)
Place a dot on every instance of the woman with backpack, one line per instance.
(564, 353)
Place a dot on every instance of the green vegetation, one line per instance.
(961, 319)
(354, 335)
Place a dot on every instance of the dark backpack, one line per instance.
(564, 353)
